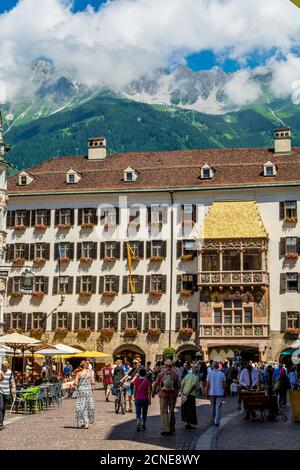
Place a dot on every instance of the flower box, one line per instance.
(36, 333)
(85, 294)
(20, 227)
(19, 261)
(109, 293)
(291, 256)
(61, 332)
(88, 225)
(64, 226)
(155, 293)
(106, 334)
(38, 295)
(293, 331)
(39, 261)
(16, 295)
(85, 260)
(154, 332)
(131, 332)
(186, 293)
(64, 259)
(157, 259)
(40, 227)
(186, 257)
(185, 333)
(291, 220)
(15, 330)
(83, 333)
(109, 259)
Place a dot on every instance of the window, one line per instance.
(88, 216)
(108, 320)
(252, 260)
(211, 261)
(20, 250)
(135, 283)
(129, 176)
(292, 282)
(187, 281)
(248, 315)
(238, 316)
(71, 179)
(65, 216)
(86, 284)
(85, 320)
(109, 216)
(23, 180)
(188, 247)
(291, 209)
(63, 284)
(62, 320)
(217, 315)
(41, 217)
(293, 320)
(109, 283)
(155, 320)
(16, 284)
(64, 249)
(131, 320)
(135, 248)
(38, 320)
(21, 217)
(87, 249)
(227, 316)
(156, 248)
(40, 250)
(231, 260)
(39, 283)
(291, 245)
(187, 320)
(110, 249)
(269, 170)
(206, 172)
(156, 282)
(16, 320)
(232, 312)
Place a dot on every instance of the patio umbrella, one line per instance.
(93, 354)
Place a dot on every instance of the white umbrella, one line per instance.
(66, 349)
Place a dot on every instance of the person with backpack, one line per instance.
(169, 386)
(107, 379)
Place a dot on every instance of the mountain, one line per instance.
(167, 111)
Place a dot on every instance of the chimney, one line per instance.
(283, 140)
(97, 148)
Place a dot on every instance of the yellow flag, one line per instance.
(296, 2)
(129, 261)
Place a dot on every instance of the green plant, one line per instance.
(131, 332)
(106, 334)
(60, 333)
(169, 353)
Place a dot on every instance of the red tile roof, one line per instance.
(162, 170)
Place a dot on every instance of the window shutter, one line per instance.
(148, 250)
(46, 285)
(33, 218)
(72, 212)
(57, 216)
(282, 283)
(179, 248)
(76, 321)
(95, 217)
(117, 215)
(47, 251)
(164, 249)
(283, 322)
(163, 321)
(281, 210)
(124, 287)
(23, 321)
(10, 219)
(71, 251)
(69, 321)
(56, 251)
(194, 213)
(10, 253)
(31, 252)
(178, 321)
(195, 283)
(94, 250)
(141, 249)
(149, 215)
(298, 245)
(6, 318)
(101, 284)
(125, 250)
(146, 321)
(27, 219)
(148, 283)
(48, 218)
(195, 321)
(10, 283)
(29, 321)
(53, 326)
(117, 250)
(78, 284)
(79, 250)
(116, 283)
(178, 283)
(70, 285)
(55, 285)
(164, 284)
(94, 284)
(26, 251)
(298, 278)
(139, 321)
(100, 320)
(140, 284)
(102, 250)
(282, 247)
(92, 320)
(80, 218)
(123, 320)
(115, 321)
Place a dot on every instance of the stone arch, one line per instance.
(187, 352)
(129, 351)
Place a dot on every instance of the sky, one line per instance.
(112, 42)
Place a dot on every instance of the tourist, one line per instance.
(229, 374)
(132, 376)
(188, 398)
(67, 370)
(169, 386)
(248, 381)
(149, 372)
(107, 379)
(142, 397)
(293, 378)
(282, 386)
(157, 369)
(117, 374)
(216, 381)
(84, 381)
(7, 387)
(184, 370)
(202, 373)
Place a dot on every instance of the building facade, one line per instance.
(214, 239)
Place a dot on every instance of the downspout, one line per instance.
(171, 269)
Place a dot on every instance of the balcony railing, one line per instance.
(234, 330)
(233, 278)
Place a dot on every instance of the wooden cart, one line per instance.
(256, 403)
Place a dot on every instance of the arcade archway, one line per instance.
(129, 352)
(188, 352)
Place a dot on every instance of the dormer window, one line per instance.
(72, 177)
(206, 172)
(130, 175)
(25, 178)
(269, 169)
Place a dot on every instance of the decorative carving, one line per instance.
(248, 330)
(258, 331)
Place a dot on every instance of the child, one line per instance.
(142, 396)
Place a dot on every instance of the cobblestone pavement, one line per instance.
(56, 429)
(240, 434)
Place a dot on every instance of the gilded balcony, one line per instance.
(231, 278)
(235, 331)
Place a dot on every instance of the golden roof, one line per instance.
(234, 220)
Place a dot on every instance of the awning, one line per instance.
(233, 220)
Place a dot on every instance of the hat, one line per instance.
(168, 362)
(135, 361)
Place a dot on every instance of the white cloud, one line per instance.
(129, 38)
(241, 90)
